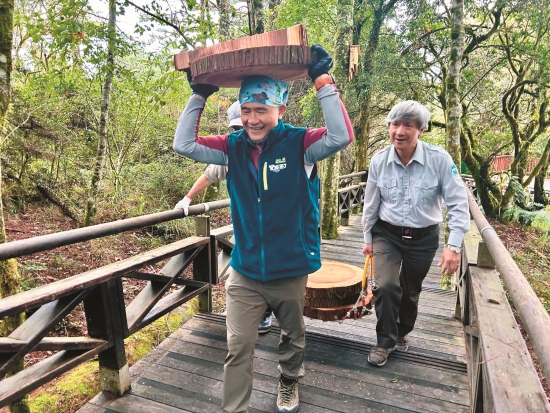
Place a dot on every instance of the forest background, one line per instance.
(89, 109)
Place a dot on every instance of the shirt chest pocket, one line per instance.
(388, 189)
(427, 189)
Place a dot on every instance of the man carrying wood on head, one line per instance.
(274, 189)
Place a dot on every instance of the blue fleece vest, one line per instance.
(275, 219)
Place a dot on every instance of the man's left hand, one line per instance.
(323, 64)
(449, 261)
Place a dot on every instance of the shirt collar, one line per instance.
(418, 154)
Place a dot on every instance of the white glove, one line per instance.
(184, 204)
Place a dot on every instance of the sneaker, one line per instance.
(402, 343)
(265, 324)
(287, 397)
(379, 355)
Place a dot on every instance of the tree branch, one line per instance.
(162, 20)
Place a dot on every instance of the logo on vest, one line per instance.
(277, 167)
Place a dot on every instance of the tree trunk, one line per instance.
(103, 121)
(256, 15)
(452, 89)
(362, 131)
(224, 8)
(272, 6)
(9, 275)
(331, 166)
(329, 170)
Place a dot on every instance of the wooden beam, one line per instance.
(8, 345)
(147, 298)
(168, 303)
(39, 324)
(503, 350)
(16, 386)
(27, 300)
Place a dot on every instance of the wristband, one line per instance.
(324, 79)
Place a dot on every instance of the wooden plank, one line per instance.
(471, 243)
(210, 345)
(332, 371)
(168, 303)
(222, 231)
(27, 300)
(263, 397)
(322, 369)
(90, 408)
(39, 324)
(140, 306)
(132, 403)
(8, 345)
(504, 352)
(16, 386)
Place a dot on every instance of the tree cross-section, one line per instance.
(282, 54)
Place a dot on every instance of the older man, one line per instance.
(274, 190)
(406, 185)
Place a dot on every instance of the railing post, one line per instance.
(106, 319)
(202, 270)
(484, 258)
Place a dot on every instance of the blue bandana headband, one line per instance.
(265, 90)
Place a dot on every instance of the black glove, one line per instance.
(323, 64)
(202, 89)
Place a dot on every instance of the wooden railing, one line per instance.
(352, 195)
(100, 291)
(502, 375)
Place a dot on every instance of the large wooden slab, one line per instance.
(282, 54)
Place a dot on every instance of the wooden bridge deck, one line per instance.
(184, 374)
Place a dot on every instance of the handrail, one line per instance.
(352, 175)
(532, 313)
(15, 249)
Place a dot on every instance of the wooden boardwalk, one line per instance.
(184, 374)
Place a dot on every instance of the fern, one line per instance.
(535, 219)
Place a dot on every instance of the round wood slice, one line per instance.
(229, 69)
(334, 286)
(328, 314)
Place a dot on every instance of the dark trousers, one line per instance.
(400, 266)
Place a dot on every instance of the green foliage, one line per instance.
(539, 220)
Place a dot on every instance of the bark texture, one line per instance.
(453, 111)
(99, 163)
(9, 274)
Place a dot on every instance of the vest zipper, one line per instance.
(265, 176)
(262, 250)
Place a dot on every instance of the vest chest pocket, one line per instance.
(278, 177)
(388, 189)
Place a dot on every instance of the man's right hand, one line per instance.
(367, 249)
(202, 89)
(184, 204)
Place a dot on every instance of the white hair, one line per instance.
(410, 110)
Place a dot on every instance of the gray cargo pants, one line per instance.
(246, 301)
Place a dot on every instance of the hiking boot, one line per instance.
(402, 343)
(265, 324)
(287, 396)
(379, 355)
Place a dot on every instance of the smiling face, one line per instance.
(258, 119)
(404, 136)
